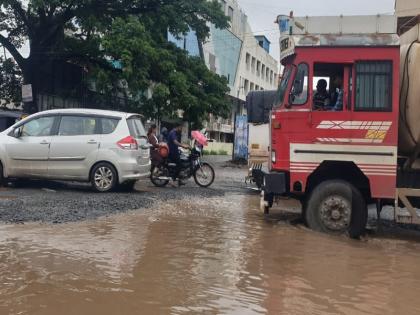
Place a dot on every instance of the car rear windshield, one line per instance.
(136, 127)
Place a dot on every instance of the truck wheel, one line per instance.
(336, 207)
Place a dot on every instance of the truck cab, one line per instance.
(334, 125)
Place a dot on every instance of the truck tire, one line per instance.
(336, 207)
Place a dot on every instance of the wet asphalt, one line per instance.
(63, 202)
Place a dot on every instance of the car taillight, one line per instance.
(273, 157)
(128, 143)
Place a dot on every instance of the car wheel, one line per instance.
(104, 177)
(336, 207)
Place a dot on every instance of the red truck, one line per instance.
(339, 140)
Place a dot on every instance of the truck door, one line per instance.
(372, 112)
(290, 122)
(375, 121)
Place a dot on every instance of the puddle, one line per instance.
(208, 255)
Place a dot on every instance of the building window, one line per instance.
(271, 76)
(263, 71)
(230, 13)
(258, 68)
(248, 61)
(267, 74)
(252, 86)
(373, 86)
(253, 64)
(257, 87)
(246, 86)
(212, 62)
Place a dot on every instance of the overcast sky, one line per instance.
(262, 13)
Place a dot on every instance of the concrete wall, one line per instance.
(217, 146)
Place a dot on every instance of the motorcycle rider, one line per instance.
(174, 143)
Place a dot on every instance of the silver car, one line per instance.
(107, 148)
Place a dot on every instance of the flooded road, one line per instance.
(202, 255)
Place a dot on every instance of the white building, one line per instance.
(239, 56)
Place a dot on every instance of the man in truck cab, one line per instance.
(321, 96)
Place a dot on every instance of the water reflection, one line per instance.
(215, 256)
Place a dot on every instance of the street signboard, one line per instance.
(27, 93)
(240, 151)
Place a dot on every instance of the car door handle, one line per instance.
(92, 142)
(44, 142)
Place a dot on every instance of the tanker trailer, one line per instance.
(408, 179)
(409, 130)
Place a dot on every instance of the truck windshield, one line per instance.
(283, 85)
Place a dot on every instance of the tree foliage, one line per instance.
(179, 81)
(10, 82)
(92, 33)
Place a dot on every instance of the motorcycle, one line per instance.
(191, 166)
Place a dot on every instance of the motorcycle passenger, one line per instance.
(174, 142)
(154, 149)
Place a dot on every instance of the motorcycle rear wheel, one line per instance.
(155, 173)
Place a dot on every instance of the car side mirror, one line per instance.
(17, 132)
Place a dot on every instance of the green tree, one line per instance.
(74, 31)
(10, 82)
(176, 81)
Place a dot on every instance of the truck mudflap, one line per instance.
(276, 183)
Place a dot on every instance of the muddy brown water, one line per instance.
(208, 256)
